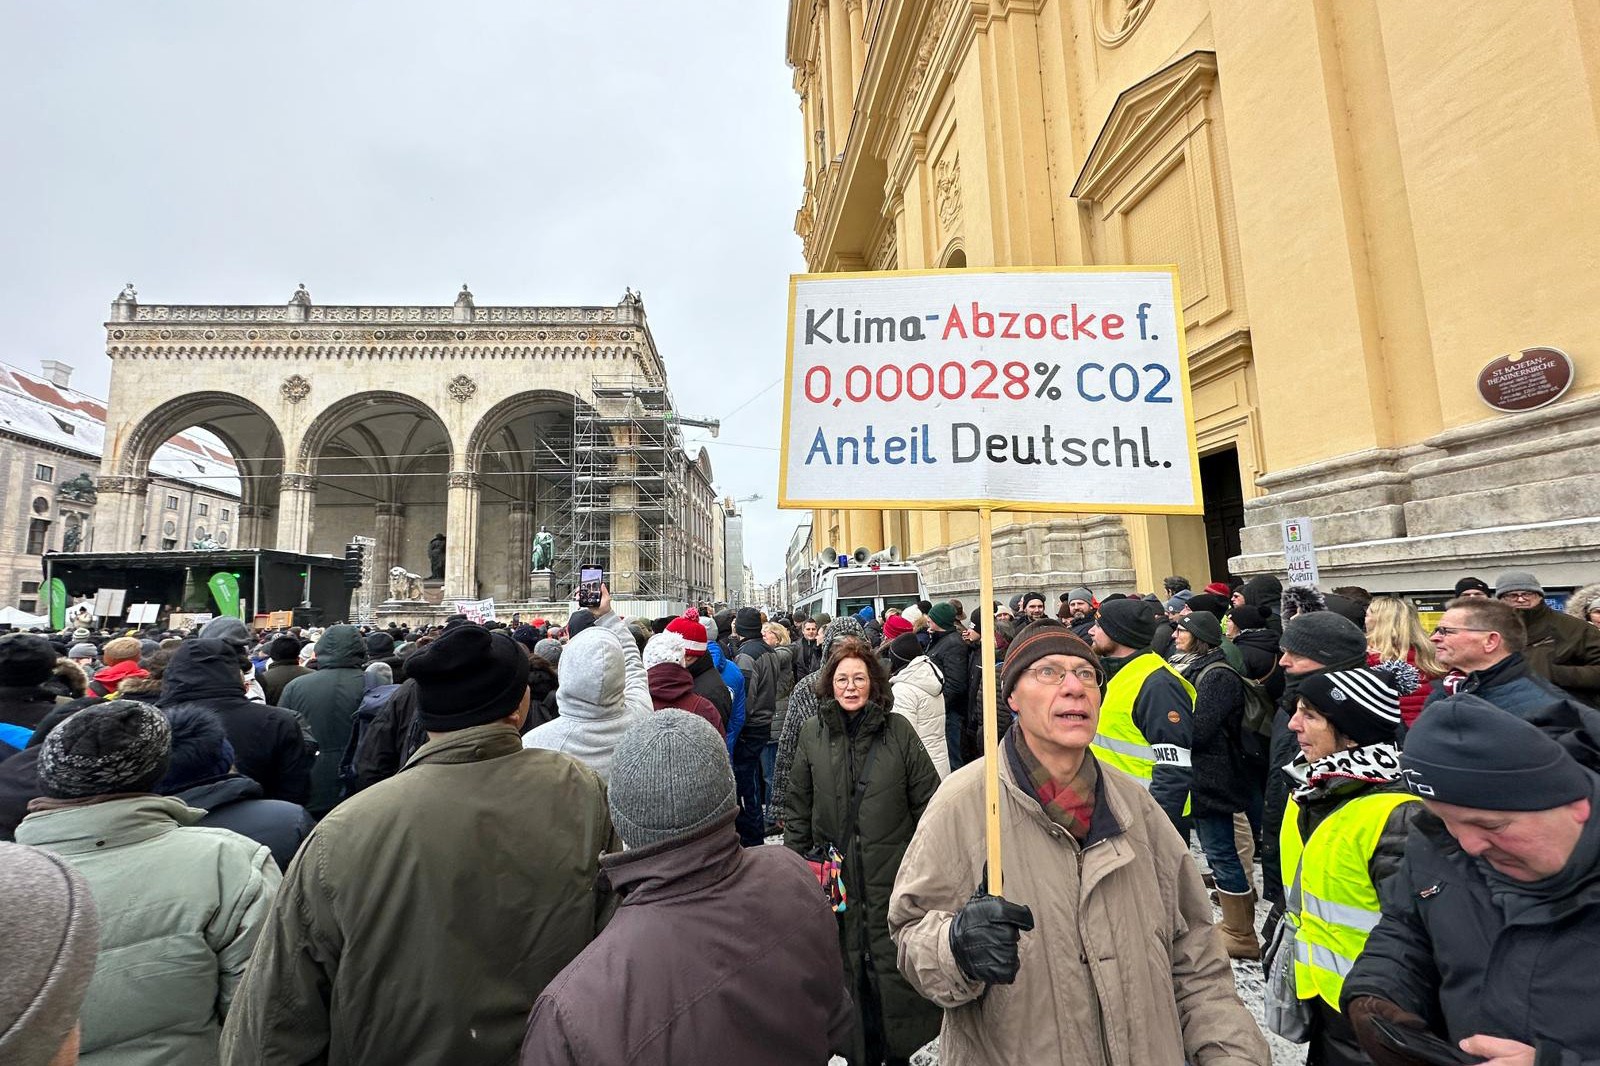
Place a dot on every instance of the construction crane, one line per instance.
(731, 505)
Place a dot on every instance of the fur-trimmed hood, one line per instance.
(1579, 602)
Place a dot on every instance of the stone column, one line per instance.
(297, 506)
(519, 538)
(841, 70)
(461, 536)
(121, 506)
(252, 528)
(388, 529)
(858, 44)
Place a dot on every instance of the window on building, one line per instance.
(29, 588)
(203, 508)
(38, 532)
(66, 427)
(27, 606)
(44, 472)
(172, 503)
(168, 543)
(226, 514)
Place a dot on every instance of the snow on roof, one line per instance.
(34, 408)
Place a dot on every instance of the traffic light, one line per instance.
(353, 554)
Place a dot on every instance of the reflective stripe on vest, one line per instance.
(1339, 906)
(1118, 741)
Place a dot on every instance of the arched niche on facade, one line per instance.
(955, 256)
(251, 437)
(379, 463)
(522, 451)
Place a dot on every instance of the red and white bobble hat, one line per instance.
(692, 632)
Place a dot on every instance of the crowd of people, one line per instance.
(557, 843)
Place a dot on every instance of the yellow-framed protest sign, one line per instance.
(1050, 389)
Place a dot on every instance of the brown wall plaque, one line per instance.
(1526, 381)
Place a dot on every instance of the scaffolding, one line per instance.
(628, 490)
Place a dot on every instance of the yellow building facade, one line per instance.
(1367, 201)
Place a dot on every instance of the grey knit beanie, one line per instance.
(549, 649)
(670, 777)
(82, 651)
(1517, 581)
(50, 952)
(1325, 637)
(119, 746)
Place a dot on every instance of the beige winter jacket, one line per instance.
(1123, 966)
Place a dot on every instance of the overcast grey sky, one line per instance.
(387, 152)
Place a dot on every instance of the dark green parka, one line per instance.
(902, 780)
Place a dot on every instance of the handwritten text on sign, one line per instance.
(1056, 390)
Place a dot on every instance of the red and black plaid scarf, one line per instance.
(1069, 804)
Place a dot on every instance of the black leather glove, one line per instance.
(984, 935)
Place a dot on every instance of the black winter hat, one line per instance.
(747, 623)
(1131, 623)
(1345, 607)
(1468, 752)
(527, 636)
(1247, 617)
(26, 659)
(380, 645)
(1473, 583)
(1362, 704)
(904, 648)
(469, 676)
(1328, 638)
(1203, 625)
(1210, 603)
(578, 621)
(284, 649)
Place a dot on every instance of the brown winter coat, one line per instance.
(1123, 966)
(718, 953)
(1565, 650)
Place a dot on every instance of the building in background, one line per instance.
(797, 563)
(1362, 220)
(51, 441)
(738, 594)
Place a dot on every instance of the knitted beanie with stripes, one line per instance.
(1362, 704)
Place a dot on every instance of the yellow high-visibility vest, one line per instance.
(1118, 741)
(1338, 903)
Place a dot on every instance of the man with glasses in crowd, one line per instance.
(1563, 649)
(1044, 974)
(1481, 641)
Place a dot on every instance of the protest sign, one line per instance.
(1037, 389)
(1040, 389)
(476, 610)
(1299, 552)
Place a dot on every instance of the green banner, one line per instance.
(225, 591)
(58, 603)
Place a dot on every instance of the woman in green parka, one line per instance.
(855, 742)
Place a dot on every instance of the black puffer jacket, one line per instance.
(951, 655)
(269, 745)
(1446, 951)
(1221, 781)
(900, 782)
(235, 802)
(542, 684)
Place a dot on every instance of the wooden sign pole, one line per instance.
(991, 688)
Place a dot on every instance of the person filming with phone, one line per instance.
(1491, 925)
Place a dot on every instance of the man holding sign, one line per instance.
(1103, 949)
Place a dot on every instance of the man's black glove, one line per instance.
(984, 935)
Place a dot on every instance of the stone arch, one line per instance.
(520, 454)
(955, 255)
(217, 412)
(349, 411)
